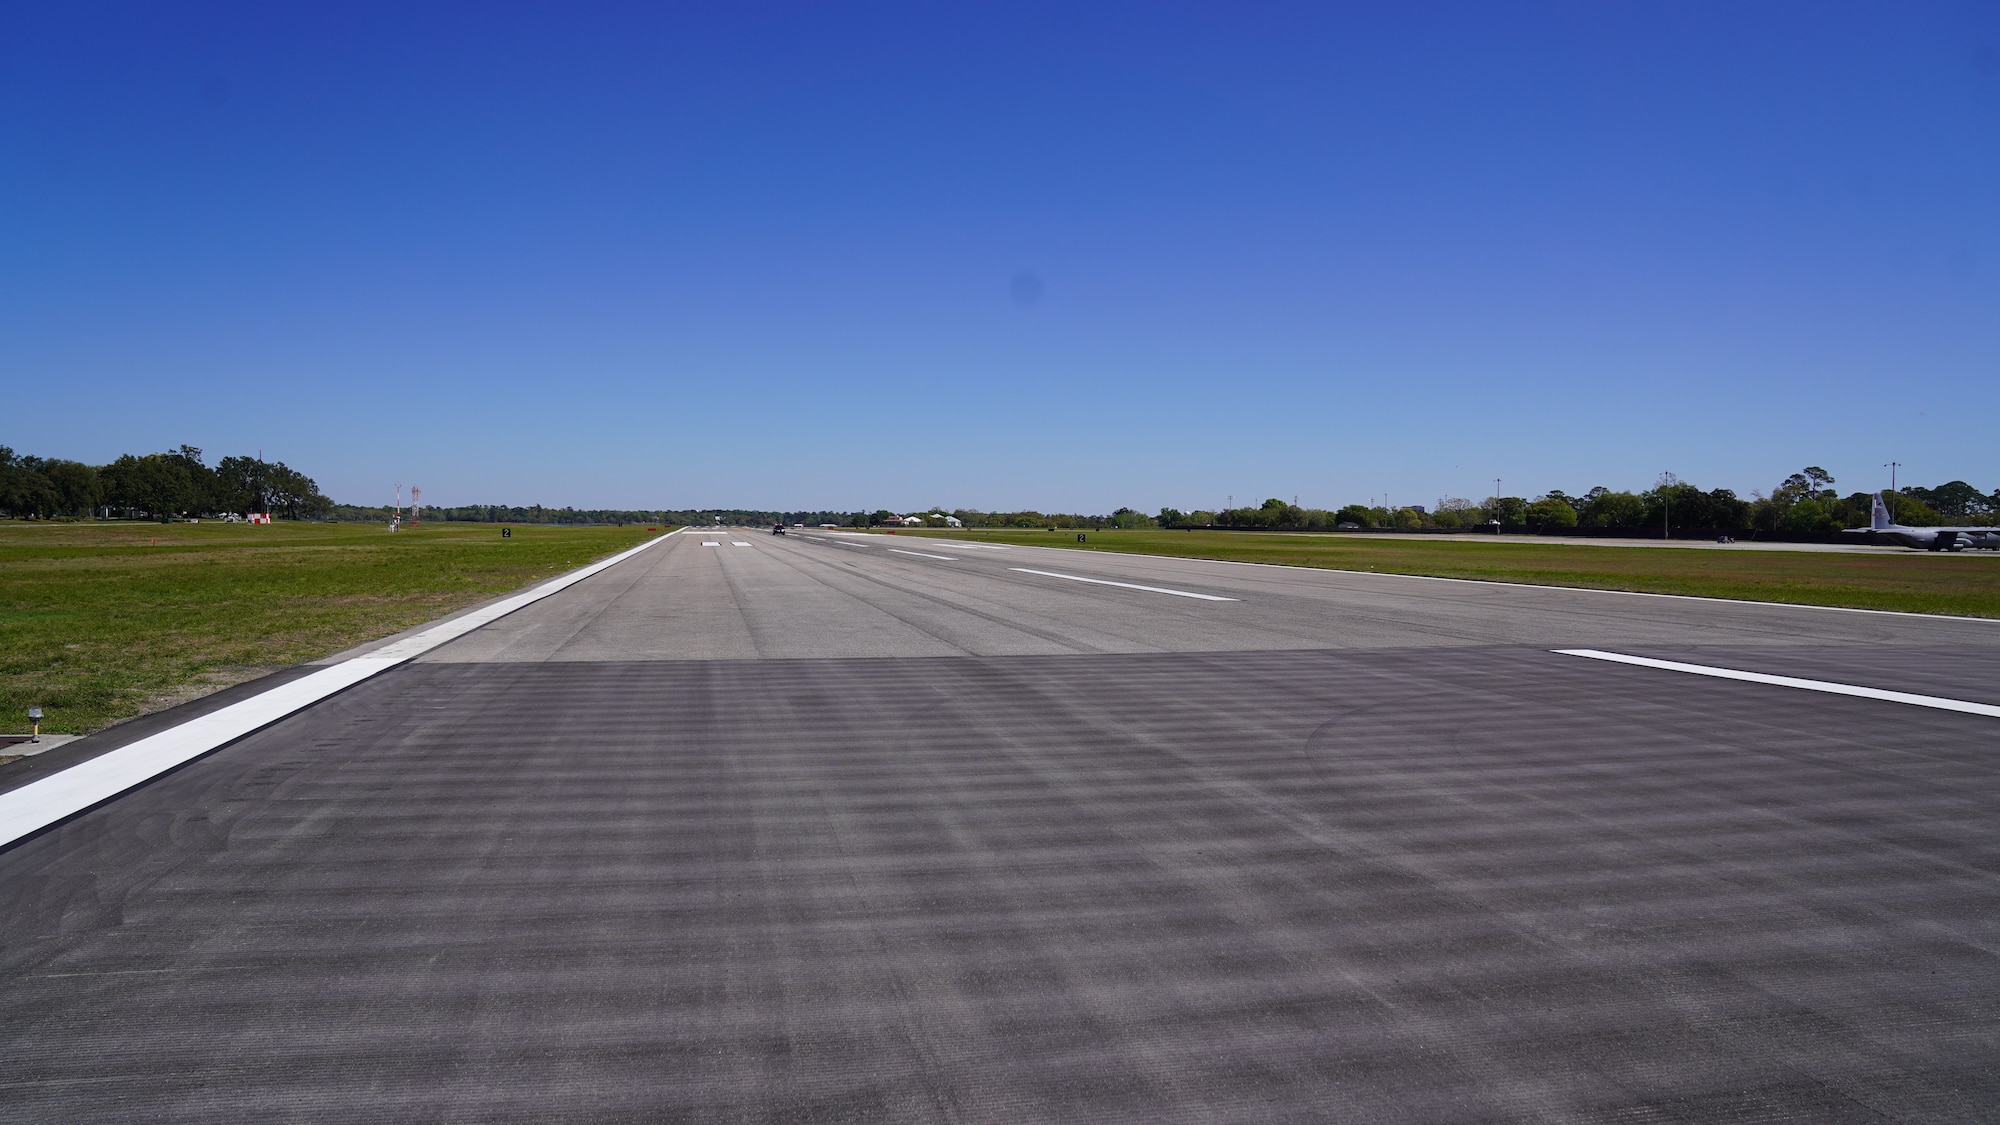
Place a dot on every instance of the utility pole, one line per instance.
(1892, 467)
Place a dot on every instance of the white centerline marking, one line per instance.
(921, 555)
(38, 804)
(1124, 585)
(736, 543)
(1935, 701)
(710, 543)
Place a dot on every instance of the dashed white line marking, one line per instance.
(1831, 688)
(1124, 585)
(921, 555)
(710, 543)
(737, 543)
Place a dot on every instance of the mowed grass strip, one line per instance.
(1908, 581)
(100, 622)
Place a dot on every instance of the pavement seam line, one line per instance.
(37, 805)
(1937, 702)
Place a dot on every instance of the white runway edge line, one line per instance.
(39, 804)
(1124, 585)
(1828, 686)
(921, 555)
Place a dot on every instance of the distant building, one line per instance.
(912, 521)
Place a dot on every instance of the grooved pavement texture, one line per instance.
(1426, 883)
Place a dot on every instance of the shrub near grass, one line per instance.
(103, 621)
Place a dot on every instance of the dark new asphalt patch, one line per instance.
(1418, 885)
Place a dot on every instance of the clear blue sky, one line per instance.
(1064, 256)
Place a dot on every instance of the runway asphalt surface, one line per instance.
(832, 827)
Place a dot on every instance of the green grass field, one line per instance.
(1910, 581)
(99, 622)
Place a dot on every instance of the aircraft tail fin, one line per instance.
(1878, 519)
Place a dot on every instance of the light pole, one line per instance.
(1892, 467)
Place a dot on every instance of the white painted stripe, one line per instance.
(1125, 585)
(710, 543)
(921, 555)
(1828, 686)
(39, 804)
(738, 543)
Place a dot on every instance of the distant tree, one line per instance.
(1406, 519)
(1613, 509)
(1457, 511)
(1727, 511)
(1681, 504)
(1506, 509)
(1250, 517)
(76, 485)
(294, 493)
(158, 484)
(1910, 511)
(25, 492)
(1551, 511)
(204, 490)
(1956, 501)
(1355, 514)
(243, 485)
(1812, 514)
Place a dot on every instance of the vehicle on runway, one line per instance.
(1926, 538)
(778, 529)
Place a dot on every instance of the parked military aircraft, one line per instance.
(1926, 538)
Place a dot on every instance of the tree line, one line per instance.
(162, 486)
(1805, 501)
(179, 484)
